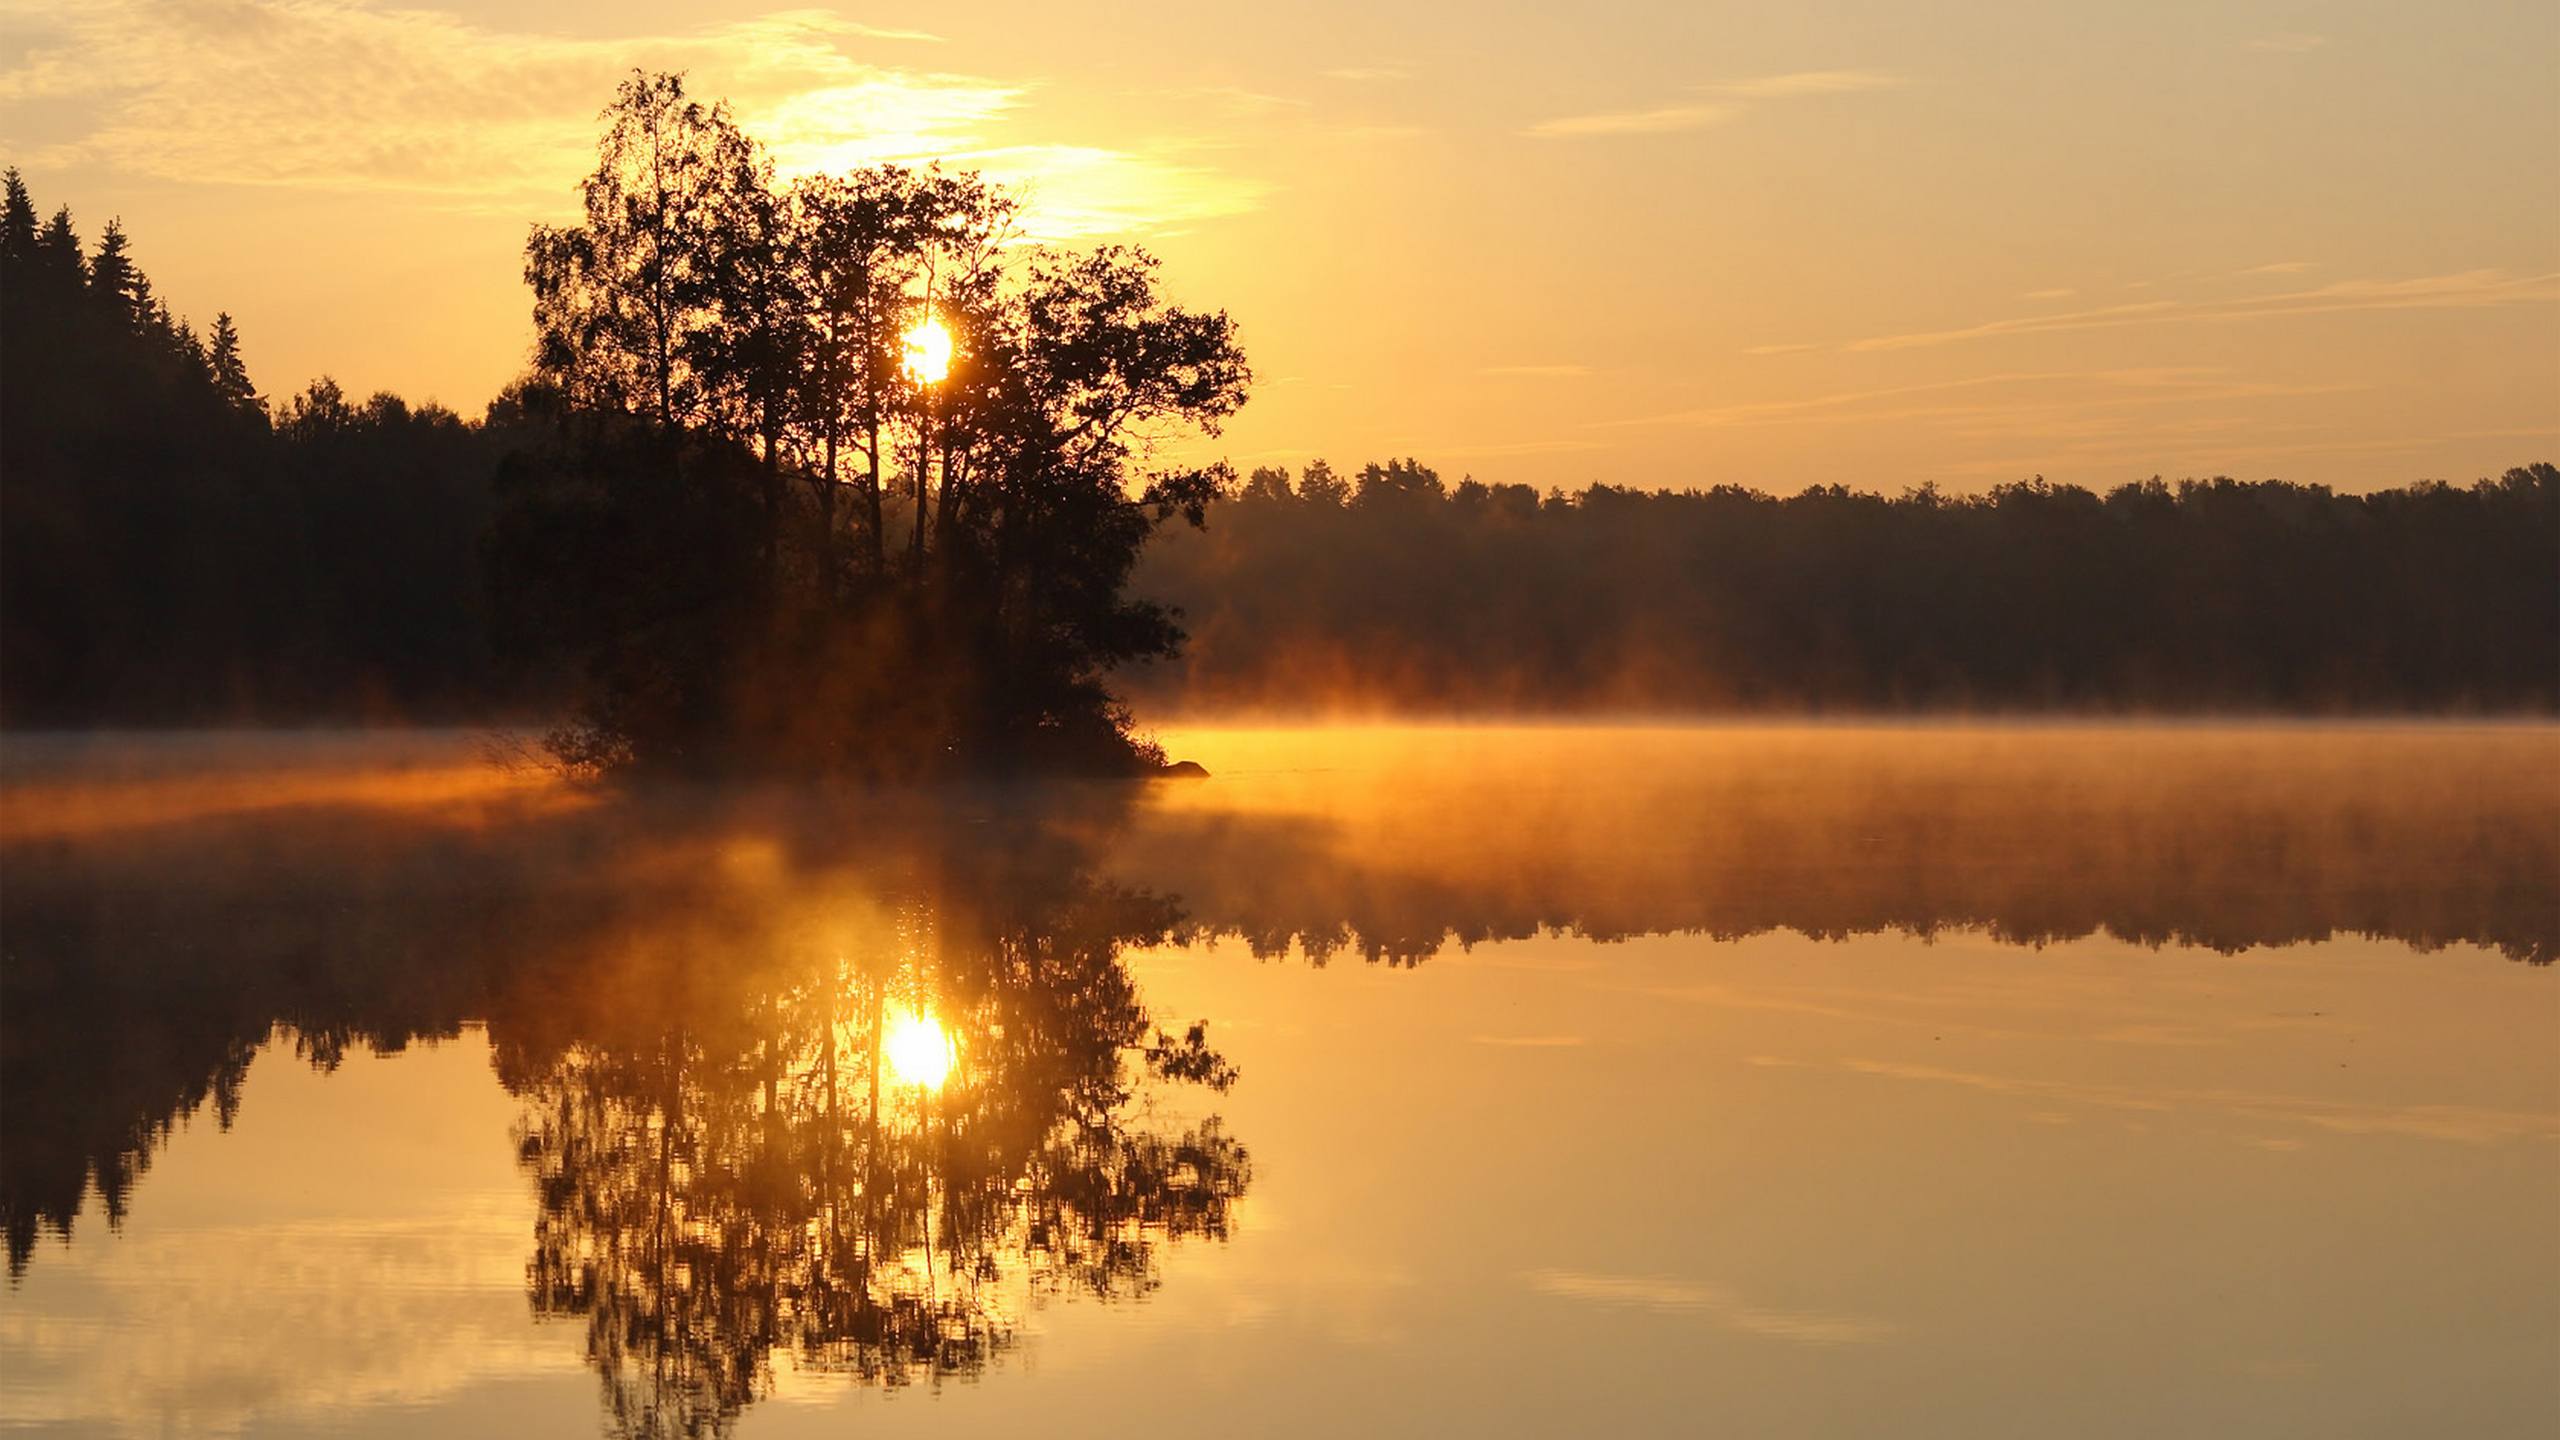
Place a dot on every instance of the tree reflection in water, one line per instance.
(689, 997)
(736, 1169)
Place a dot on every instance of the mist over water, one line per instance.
(460, 1091)
(2211, 834)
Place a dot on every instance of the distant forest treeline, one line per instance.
(1391, 588)
(174, 547)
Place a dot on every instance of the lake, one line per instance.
(1820, 1080)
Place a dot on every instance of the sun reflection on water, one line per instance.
(918, 1049)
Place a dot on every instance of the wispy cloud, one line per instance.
(1810, 82)
(1720, 103)
(2059, 292)
(1491, 449)
(1531, 1042)
(1238, 100)
(2280, 267)
(1369, 74)
(2466, 290)
(1076, 190)
(2040, 397)
(1667, 1296)
(874, 32)
(1537, 372)
(321, 94)
(1659, 120)
(2195, 448)
(2286, 42)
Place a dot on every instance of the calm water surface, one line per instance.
(1813, 1081)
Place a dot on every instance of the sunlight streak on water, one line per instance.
(919, 1050)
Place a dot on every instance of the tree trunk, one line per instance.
(946, 506)
(772, 506)
(924, 462)
(872, 500)
(827, 489)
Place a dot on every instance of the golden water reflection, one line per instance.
(789, 1093)
(758, 1153)
(920, 1052)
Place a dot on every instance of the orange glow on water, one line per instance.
(919, 1051)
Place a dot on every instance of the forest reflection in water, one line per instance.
(864, 1103)
(721, 1014)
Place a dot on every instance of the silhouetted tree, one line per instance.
(720, 345)
(115, 281)
(17, 223)
(230, 377)
(620, 301)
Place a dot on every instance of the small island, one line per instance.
(840, 478)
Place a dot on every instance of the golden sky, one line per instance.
(1669, 243)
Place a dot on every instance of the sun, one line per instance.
(919, 1051)
(929, 351)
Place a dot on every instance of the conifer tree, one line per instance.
(58, 273)
(17, 224)
(111, 272)
(230, 376)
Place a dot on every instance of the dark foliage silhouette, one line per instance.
(766, 540)
(1396, 591)
(171, 552)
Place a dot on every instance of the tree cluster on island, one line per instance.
(845, 478)
(734, 526)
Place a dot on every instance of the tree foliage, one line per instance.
(765, 542)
